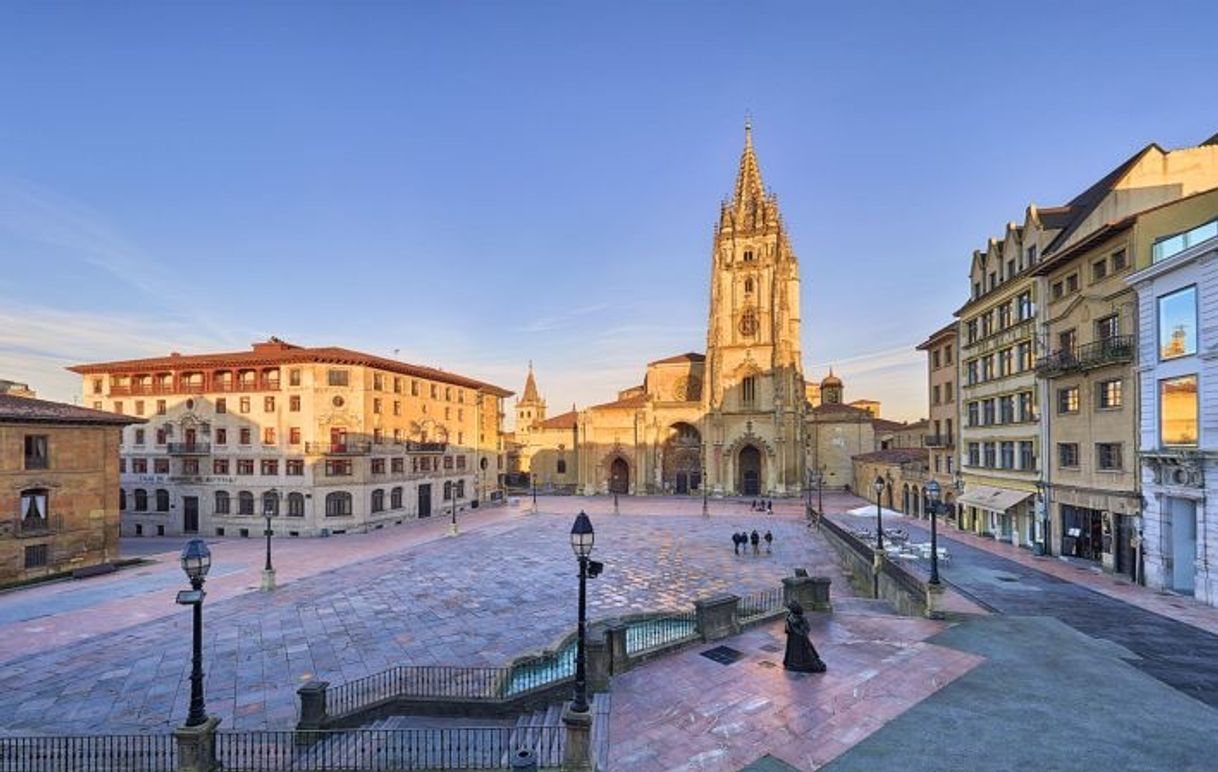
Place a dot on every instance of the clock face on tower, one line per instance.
(748, 323)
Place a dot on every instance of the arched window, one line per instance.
(162, 500)
(395, 498)
(270, 504)
(562, 466)
(122, 500)
(34, 513)
(448, 490)
(748, 285)
(378, 500)
(141, 500)
(295, 505)
(748, 255)
(338, 504)
(223, 503)
(245, 503)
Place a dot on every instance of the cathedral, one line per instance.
(732, 421)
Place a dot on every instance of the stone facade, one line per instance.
(942, 429)
(346, 441)
(1176, 280)
(59, 486)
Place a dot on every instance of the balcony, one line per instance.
(1107, 351)
(189, 448)
(426, 447)
(355, 448)
(938, 441)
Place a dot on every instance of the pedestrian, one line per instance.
(754, 505)
(769, 507)
(736, 542)
(769, 539)
(756, 540)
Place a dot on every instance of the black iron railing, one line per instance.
(387, 750)
(759, 604)
(425, 447)
(418, 681)
(97, 753)
(352, 448)
(938, 441)
(189, 448)
(1118, 348)
(650, 634)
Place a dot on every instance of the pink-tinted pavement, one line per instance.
(688, 712)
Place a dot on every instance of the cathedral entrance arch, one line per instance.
(682, 466)
(619, 476)
(749, 470)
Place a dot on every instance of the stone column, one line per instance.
(313, 713)
(197, 746)
(717, 617)
(615, 640)
(577, 754)
(599, 665)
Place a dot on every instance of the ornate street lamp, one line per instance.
(879, 535)
(820, 490)
(533, 482)
(196, 560)
(453, 529)
(270, 508)
(932, 492)
(702, 481)
(582, 539)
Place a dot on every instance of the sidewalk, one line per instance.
(1177, 607)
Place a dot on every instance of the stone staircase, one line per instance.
(410, 742)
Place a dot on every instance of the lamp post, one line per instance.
(582, 539)
(270, 508)
(196, 560)
(820, 490)
(453, 531)
(958, 484)
(702, 482)
(533, 482)
(932, 492)
(879, 537)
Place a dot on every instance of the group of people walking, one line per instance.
(763, 505)
(742, 540)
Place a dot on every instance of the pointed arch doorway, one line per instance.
(749, 471)
(619, 476)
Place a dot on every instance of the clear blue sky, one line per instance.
(478, 184)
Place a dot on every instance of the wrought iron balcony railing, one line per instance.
(350, 448)
(1106, 351)
(189, 448)
(938, 441)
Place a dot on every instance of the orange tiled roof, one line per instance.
(21, 410)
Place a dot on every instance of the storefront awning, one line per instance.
(992, 499)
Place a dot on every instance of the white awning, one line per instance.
(992, 499)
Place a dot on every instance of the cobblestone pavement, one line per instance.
(362, 603)
(1179, 654)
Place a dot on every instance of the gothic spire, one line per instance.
(530, 387)
(749, 187)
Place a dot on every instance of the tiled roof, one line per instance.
(1085, 203)
(893, 455)
(276, 352)
(884, 425)
(679, 358)
(638, 400)
(844, 411)
(21, 410)
(564, 421)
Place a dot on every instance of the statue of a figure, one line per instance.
(801, 655)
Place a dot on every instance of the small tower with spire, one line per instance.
(530, 408)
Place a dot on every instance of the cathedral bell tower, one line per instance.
(754, 401)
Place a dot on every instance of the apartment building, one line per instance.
(942, 378)
(1174, 252)
(332, 440)
(58, 488)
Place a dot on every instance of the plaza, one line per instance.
(113, 651)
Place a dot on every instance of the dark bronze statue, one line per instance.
(801, 655)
